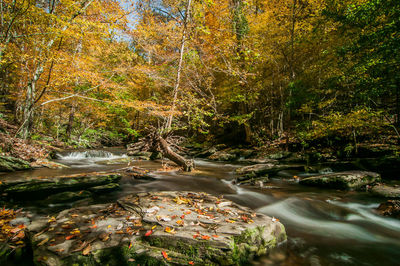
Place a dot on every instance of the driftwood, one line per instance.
(167, 145)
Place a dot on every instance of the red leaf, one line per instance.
(148, 233)
(165, 255)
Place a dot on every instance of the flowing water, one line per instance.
(324, 227)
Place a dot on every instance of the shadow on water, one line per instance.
(324, 227)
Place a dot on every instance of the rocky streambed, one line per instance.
(155, 228)
(333, 214)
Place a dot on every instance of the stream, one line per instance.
(324, 227)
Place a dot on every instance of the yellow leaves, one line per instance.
(181, 200)
(44, 241)
(169, 230)
(86, 250)
(52, 220)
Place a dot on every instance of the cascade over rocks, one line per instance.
(157, 228)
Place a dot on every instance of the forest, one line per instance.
(251, 72)
(200, 132)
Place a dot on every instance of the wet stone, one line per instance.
(157, 228)
(342, 180)
(386, 191)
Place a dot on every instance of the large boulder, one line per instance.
(157, 228)
(264, 169)
(40, 188)
(68, 196)
(342, 180)
(386, 191)
(10, 164)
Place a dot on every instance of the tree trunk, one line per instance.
(167, 152)
(178, 75)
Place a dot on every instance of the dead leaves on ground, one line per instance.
(14, 235)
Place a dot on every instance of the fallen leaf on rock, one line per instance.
(180, 222)
(52, 219)
(165, 255)
(196, 236)
(205, 237)
(69, 237)
(170, 230)
(87, 250)
(275, 219)
(74, 215)
(43, 242)
(21, 234)
(148, 233)
(15, 230)
(215, 236)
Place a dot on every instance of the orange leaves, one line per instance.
(205, 237)
(169, 230)
(180, 222)
(69, 237)
(165, 255)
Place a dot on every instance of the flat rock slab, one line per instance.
(39, 188)
(342, 180)
(386, 191)
(10, 164)
(157, 228)
(265, 169)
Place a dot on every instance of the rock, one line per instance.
(135, 173)
(390, 208)
(342, 180)
(260, 161)
(253, 181)
(116, 161)
(223, 155)
(48, 164)
(41, 188)
(146, 154)
(185, 228)
(206, 153)
(104, 188)
(10, 164)
(279, 155)
(20, 220)
(386, 191)
(68, 196)
(264, 169)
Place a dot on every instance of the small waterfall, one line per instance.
(89, 155)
